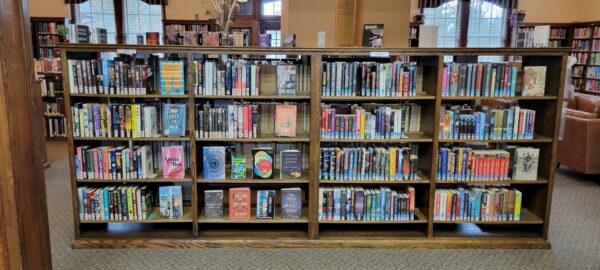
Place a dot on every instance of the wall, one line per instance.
(188, 9)
(589, 10)
(551, 11)
(307, 17)
(48, 8)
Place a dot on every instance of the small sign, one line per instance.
(126, 51)
(380, 54)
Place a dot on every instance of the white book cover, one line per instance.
(526, 166)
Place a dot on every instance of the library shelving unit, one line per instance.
(45, 38)
(193, 231)
(413, 35)
(560, 35)
(586, 47)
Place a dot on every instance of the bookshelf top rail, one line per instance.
(71, 47)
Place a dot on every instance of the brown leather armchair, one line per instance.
(580, 147)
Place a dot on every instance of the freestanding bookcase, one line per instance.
(192, 231)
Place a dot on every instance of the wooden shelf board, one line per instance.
(249, 181)
(129, 96)
(536, 139)
(324, 242)
(415, 137)
(253, 219)
(154, 217)
(50, 73)
(527, 217)
(506, 98)
(256, 140)
(187, 178)
(509, 182)
(419, 219)
(259, 97)
(154, 139)
(361, 98)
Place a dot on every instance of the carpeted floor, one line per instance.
(574, 233)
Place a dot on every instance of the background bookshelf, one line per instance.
(560, 35)
(413, 35)
(45, 37)
(174, 29)
(586, 42)
(193, 230)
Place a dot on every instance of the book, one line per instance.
(82, 33)
(211, 39)
(213, 161)
(240, 39)
(264, 40)
(526, 165)
(239, 203)
(139, 39)
(173, 161)
(534, 80)
(491, 204)
(172, 77)
(109, 162)
(190, 38)
(174, 119)
(291, 203)
(286, 79)
(467, 164)
(291, 164)
(480, 79)
(263, 163)
(152, 38)
(171, 202)
(288, 40)
(265, 204)
(101, 36)
(238, 167)
(366, 204)
(213, 204)
(373, 35)
(285, 120)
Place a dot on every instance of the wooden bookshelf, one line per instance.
(194, 231)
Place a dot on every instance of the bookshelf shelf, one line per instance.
(154, 217)
(193, 230)
(50, 73)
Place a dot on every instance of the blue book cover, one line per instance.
(172, 77)
(106, 204)
(105, 63)
(174, 119)
(291, 203)
(213, 161)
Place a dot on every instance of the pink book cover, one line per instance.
(173, 161)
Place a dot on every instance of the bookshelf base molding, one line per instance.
(483, 243)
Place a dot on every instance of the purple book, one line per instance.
(359, 204)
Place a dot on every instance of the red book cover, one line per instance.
(245, 121)
(285, 120)
(239, 203)
(437, 204)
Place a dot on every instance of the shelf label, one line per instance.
(126, 51)
(380, 54)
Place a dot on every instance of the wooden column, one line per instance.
(24, 236)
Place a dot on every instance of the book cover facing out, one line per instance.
(152, 38)
(213, 161)
(174, 119)
(238, 167)
(239, 203)
(263, 163)
(265, 204)
(288, 40)
(373, 36)
(171, 77)
(285, 120)
(173, 161)
(170, 202)
(291, 164)
(213, 204)
(286, 79)
(291, 203)
(534, 80)
(264, 40)
(526, 167)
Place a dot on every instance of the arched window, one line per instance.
(139, 18)
(97, 14)
(445, 17)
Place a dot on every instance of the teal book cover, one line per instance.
(174, 119)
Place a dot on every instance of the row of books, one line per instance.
(54, 108)
(582, 32)
(119, 120)
(52, 87)
(136, 162)
(52, 52)
(242, 77)
(127, 75)
(48, 40)
(370, 163)
(115, 203)
(184, 34)
(595, 45)
(581, 45)
(596, 32)
(558, 33)
(485, 123)
(592, 85)
(469, 164)
(581, 57)
(46, 27)
(356, 203)
(478, 204)
(595, 59)
(240, 203)
(593, 73)
(577, 71)
(369, 79)
(479, 79)
(48, 65)
(56, 127)
(214, 160)
(338, 121)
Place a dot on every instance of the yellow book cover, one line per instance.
(459, 163)
(130, 204)
(134, 114)
(393, 163)
(103, 119)
(518, 198)
(128, 120)
(362, 125)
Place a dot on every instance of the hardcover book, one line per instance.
(288, 40)
(534, 80)
(152, 38)
(286, 79)
(239, 203)
(172, 80)
(285, 120)
(263, 163)
(213, 204)
(264, 40)
(211, 39)
(373, 35)
(190, 38)
(174, 119)
(265, 204)
(526, 165)
(173, 161)
(291, 164)
(170, 201)
(101, 36)
(213, 160)
(238, 167)
(291, 203)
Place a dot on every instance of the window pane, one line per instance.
(97, 14)
(271, 7)
(140, 18)
(247, 8)
(445, 17)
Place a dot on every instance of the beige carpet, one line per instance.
(574, 233)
